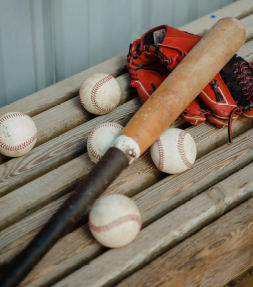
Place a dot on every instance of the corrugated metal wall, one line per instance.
(46, 41)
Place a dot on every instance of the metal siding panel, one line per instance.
(109, 29)
(70, 27)
(16, 49)
(42, 43)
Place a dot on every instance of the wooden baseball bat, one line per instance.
(190, 77)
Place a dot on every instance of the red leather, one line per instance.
(149, 64)
(194, 114)
(224, 105)
(148, 73)
(175, 45)
(145, 70)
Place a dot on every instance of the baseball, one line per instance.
(100, 94)
(101, 139)
(115, 220)
(18, 134)
(174, 151)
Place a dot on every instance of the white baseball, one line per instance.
(100, 94)
(18, 134)
(174, 151)
(101, 139)
(115, 220)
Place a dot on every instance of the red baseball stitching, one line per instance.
(180, 146)
(22, 145)
(81, 100)
(94, 93)
(161, 154)
(90, 140)
(116, 222)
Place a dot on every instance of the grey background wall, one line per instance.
(46, 41)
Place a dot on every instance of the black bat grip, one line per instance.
(66, 217)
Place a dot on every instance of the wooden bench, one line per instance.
(197, 226)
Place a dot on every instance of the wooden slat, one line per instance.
(58, 182)
(243, 280)
(248, 23)
(164, 196)
(136, 178)
(52, 154)
(238, 9)
(64, 90)
(210, 258)
(68, 88)
(81, 258)
(175, 226)
(11, 176)
(71, 114)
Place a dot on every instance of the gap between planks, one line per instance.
(170, 229)
(153, 203)
(51, 154)
(212, 257)
(68, 88)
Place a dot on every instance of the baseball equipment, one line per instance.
(146, 61)
(174, 151)
(100, 94)
(144, 64)
(238, 76)
(18, 134)
(101, 139)
(169, 100)
(115, 220)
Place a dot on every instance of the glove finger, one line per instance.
(218, 99)
(194, 114)
(220, 123)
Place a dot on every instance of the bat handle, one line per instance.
(67, 216)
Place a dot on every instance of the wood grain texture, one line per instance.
(210, 258)
(238, 9)
(68, 88)
(167, 231)
(248, 22)
(70, 114)
(243, 280)
(66, 257)
(50, 155)
(140, 175)
(153, 202)
(64, 90)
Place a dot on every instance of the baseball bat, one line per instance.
(178, 90)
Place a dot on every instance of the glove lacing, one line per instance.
(247, 83)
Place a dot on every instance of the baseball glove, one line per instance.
(153, 57)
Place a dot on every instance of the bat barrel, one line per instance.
(68, 215)
(194, 72)
(184, 84)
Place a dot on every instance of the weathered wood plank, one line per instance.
(71, 114)
(175, 226)
(161, 198)
(52, 185)
(136, 178)
(210, 258)
(49, 129)
(64, 90)
(238, 9)
(68, 88)
(68, 115)
(243, 280)
(48, 156)
(248, 23)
